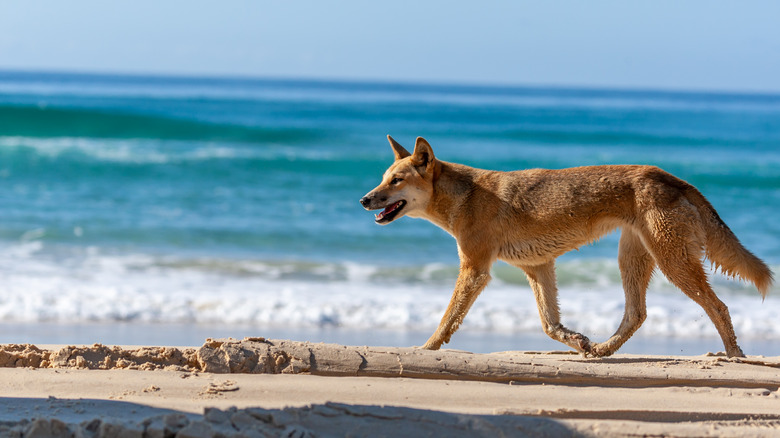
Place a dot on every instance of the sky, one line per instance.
(703, 45)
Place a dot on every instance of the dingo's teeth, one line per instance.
(390, 211)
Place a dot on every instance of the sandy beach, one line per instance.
(259, 387)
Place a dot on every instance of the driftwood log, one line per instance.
(269, 356)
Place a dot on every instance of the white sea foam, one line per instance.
(94, 287)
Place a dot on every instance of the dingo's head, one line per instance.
(406, 186)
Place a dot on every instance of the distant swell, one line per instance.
(30, 121)
(46, 122)
(569, 136)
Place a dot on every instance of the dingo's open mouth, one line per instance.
(390, 212)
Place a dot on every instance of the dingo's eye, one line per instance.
(395, 181)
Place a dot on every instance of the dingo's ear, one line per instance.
(423, 154)
(398, 150)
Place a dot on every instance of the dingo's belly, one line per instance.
(544, 247)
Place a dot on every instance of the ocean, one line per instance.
(164, 210)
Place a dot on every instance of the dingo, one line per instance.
(528, 218)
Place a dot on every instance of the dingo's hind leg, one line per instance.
(636, 269)
(692, 280)
(542, 280)
(680, 259)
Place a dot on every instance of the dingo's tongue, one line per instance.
(389, 209)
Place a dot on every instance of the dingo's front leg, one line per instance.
(470, 283)
(542, 280)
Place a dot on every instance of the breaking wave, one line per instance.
(42, 286)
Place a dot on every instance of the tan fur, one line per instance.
(528, 218)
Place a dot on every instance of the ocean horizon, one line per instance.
(150, 209)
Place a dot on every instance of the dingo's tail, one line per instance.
(724, 249)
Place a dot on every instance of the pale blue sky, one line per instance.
(693, 44)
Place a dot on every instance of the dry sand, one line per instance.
(258, 387)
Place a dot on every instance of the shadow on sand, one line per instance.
(55, 417)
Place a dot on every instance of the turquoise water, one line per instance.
(226, 201)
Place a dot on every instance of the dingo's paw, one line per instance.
(430, 346)
(578, 342)
(600, 350)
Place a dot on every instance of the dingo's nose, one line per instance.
(364, 201)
